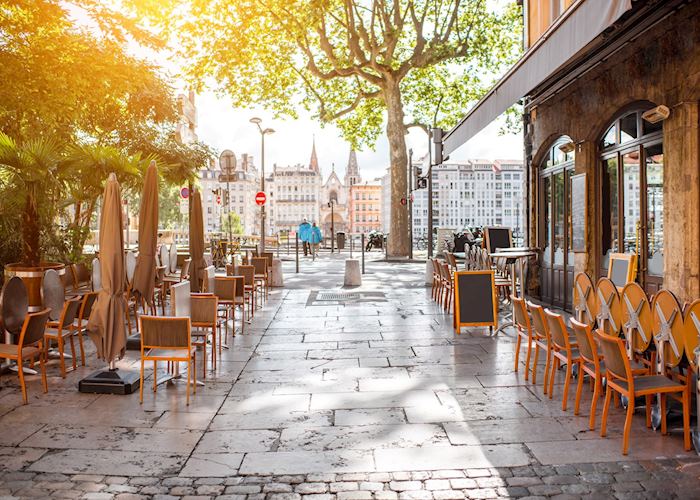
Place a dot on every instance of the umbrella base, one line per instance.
(110, 382)
(133, 343)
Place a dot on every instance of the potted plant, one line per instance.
(31, 172)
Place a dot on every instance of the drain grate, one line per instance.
(334, 297)
(337, 296)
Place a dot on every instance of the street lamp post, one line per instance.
(263, 133)
(331, 204)
(409, 204)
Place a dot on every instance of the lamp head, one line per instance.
(268, 131)
(256, 120)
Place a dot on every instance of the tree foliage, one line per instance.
(364, 65)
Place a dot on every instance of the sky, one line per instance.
(223, 127)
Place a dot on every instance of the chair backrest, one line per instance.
(14, 304)
(608, 307)
(230, 269)
(86, 305)
(584, 298)
(164, 256)
(225, 288)
(173, 257)
(587, 347)
(240, 285)
(185, 270)
(269, 256)
(209, 273)
(33, 328)
(96, 275)
(557, 329)
(539, 322)
(521, 318)
(164, 331)
(160, 274)
(248, 273)
(53, 294)
(615, 356)
(203, 308)
(81, 274)
(67, 278)
(260, 265)
(70, 311)
(180, 298)
(130, 266)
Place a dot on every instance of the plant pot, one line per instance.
(33, 276)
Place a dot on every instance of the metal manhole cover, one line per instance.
(326, 298)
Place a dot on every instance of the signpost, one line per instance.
(185, 192)
(260, 198)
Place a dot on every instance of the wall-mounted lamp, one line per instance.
(567, 147)
(657, 114)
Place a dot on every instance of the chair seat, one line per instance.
(652, 383)
(9, 351)
(168, 354)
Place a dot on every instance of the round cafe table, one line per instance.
(513, 259)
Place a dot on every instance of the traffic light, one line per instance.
(439, 157)
(421, 183)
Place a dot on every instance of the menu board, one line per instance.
(475, 299)
(578, 213)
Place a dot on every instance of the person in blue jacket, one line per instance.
(315, 238)
(305, 235)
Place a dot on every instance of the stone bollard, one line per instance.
(277, 275)
(353, 275)
(429, 272)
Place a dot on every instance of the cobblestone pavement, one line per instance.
(333, 396)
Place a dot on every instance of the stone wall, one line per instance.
(661, 67)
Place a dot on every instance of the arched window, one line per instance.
(556, 169)
(632, 194)
(333, 196)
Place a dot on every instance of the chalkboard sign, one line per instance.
(578, 213)
(622, 269)
(498, 237)
(475, 299)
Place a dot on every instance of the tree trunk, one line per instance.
(30, 228)
(397, 245)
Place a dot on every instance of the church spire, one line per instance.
(313, 164)
(352, 171)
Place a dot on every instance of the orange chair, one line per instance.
(62, 329)
(30, 346)
(204, 308)
(524, 331)
(563, 351)
(590, 363)
(542, 340)
(620, 379)
(167, 339)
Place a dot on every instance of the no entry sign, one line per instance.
(260, 198)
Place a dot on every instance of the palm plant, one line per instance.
(31, 173)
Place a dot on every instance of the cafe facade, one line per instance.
(611, 141)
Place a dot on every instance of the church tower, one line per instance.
(313, 164)
(352, 171)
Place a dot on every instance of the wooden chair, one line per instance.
(240, 300)
(230, 269)
(251, 286)
(167, 339)
(620, 379)
(437, 280)
(62, 329)
(637, 326)
(608, 307)
(447, 286)
(225, 291)
(541, 339)
(584, 299)
(269, 256)
(81, 276)
(29, 346)
(203, 314)
(159, 289)
(88, 300)
(208, 276)
(261, 274)
(524, 330)
(591, 364)
(563, 351)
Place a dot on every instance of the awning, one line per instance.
(577, 28)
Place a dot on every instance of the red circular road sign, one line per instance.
(403, 201)
(185, 192)
(260, 198)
